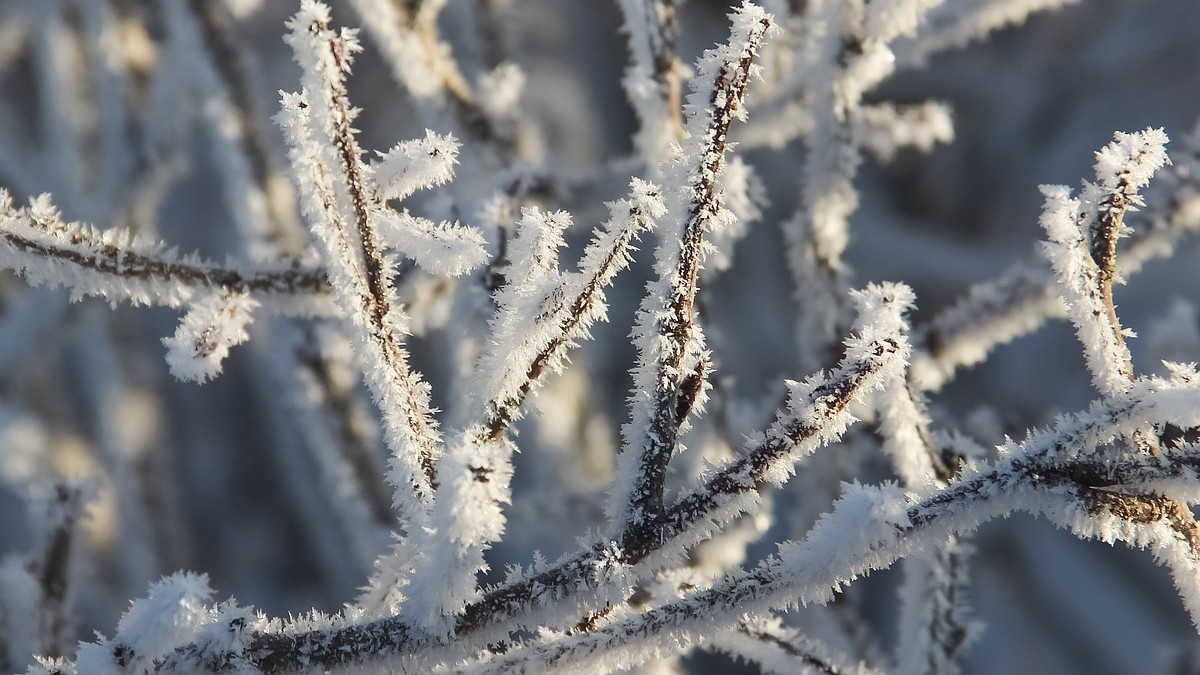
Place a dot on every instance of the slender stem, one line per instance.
(676, 386)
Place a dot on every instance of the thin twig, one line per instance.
(674, 385)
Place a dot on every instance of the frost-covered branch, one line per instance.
(780, 650)
(884, 129)
(600, 574)
(116, 265)
(908, 440)
(344, 209)
(670, 377)
(477, 470)
(935, 628)
(850, 55)
(960, 23)
(406, 33)
(1082, 249)
(871, 527)
(503, 536)
(564, 307)
(1024, 297)
(653, 81)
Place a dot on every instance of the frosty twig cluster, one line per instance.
(468, 268)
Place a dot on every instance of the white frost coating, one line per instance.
(476, 472)
(115, 265)
(171, 615)
(990, 314)
(1148, 401)
(869, 528)
(745, 196)
(880, 321)
(55, 666)
(1131, 157)
(670, 343)
(905, 428)
(887, 20)
(444, 249)
(845, 58)
(339, 202)
(817, 233)
(211, 326)
(534, 253)
(564, 304)
(416, 164)
(1122, 167)
(384, 592)
(658, 124)
(229, 630)
(637, 19)
(537, 289)
(627, 642)
(474, 485)
(839, 81)
(881, 309)
(1067, 251)
(935, 627)
(1022, 299)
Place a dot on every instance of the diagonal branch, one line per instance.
(1082, 249)
(406, 34)
(568, 310)
(781, 650)
(539, 318)
(870, 528)
(1137, 157)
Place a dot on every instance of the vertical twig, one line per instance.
(653, 79)
(329, 167)
(672, 365)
